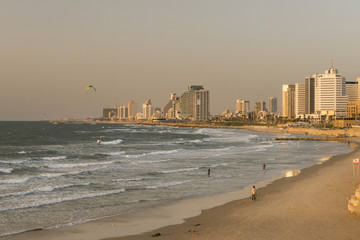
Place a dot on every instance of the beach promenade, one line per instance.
(310, 205)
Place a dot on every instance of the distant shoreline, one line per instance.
(335, 133)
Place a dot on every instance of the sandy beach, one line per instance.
(310, 205)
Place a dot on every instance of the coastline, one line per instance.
(174, 220)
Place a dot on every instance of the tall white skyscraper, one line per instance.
(288, 101)
(299, 99)
(330, 94)
(194, 103)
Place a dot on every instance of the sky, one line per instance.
(51, 50)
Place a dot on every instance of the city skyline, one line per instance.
(148, 49)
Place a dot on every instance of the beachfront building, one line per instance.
(352, 91)
(272, 105)
(288, 101)
(259, 107)
(132, 110)
(123, 113)
(147, 110)
(242, 107)
(310, 94)
(172, 109)
(194, 103)
(330, 94)
(110, 113)
(300, 100)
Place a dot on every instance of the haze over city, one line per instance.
(139, 50)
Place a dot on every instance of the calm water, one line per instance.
(53, 175)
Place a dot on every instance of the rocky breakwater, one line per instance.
(354, 202)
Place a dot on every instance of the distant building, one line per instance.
(194, 103)
(310, 94)
(242, 107)
(147, 110)
(272, 103)
(330, 94)
(123, 113)
(288, 101)
(300, 100)
(132, 110)
(172, 109)
(352, 91)
(110, 113)
(259, 106)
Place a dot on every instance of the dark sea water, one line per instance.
(53, 175)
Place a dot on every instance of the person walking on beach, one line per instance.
(253, 193)
(209, 172)
(264, 166)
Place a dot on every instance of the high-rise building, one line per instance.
(299, 99)
(352, 91)
(288, 101)
(259, 106)
(194, 103)
(242, 107)
(132, 110)
(123, 113)
(310, 94)
(330, 94)
(272, 105)
(148, 110)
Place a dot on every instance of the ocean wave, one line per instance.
(155, 153)
(38, 203)
(14, 180)
(53, 158)
(128, 179)
(168, 184)
(21, 152)
(114, 142)
(6, 170)
(151, 161)
(115, 153)
(179, 170)
(42, 189)
(75, 165)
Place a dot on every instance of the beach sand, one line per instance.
(310, 205)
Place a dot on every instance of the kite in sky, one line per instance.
(90, 86)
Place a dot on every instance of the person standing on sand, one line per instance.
(209, 172)
(264, 166)
(253, 193)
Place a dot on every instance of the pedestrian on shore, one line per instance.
(209, 172)
(264, 166)
(253, 193)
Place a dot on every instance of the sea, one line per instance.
(60, 174)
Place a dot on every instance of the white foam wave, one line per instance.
(179, 170)
(116, 153)
(128, 179)
(6, 170)
(14, 180)
(155, 153)
(43, 202)
(76, 165)
(114, 142)
(168, 184)
(42, 189)
(53, 158)
(21, 152)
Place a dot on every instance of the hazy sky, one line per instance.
(140, 49)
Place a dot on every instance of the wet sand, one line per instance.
(310, 205)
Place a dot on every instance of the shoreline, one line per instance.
(159, 217)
